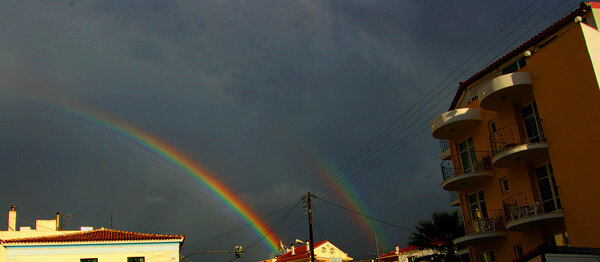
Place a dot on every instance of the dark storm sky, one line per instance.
(250, 90)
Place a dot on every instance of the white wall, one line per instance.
(152, 252)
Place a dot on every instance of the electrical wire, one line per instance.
(295, 215)
(530, 28)
(276, 224)
(376, 157)
(361, 214)
(365, 150)
(241, 227)
(319, 227)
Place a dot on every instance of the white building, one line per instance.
(407, 254)
(324, 251)
(48, 243)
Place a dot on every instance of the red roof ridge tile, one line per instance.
(96, 235)
(402, 250)
(300, 252)
(556, 26)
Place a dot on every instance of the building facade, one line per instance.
(408, 254)
(520, 142)
(47, 242)
(325, 251)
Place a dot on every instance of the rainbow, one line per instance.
(345, 191)
(177, 158)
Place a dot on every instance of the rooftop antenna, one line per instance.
(111, 221)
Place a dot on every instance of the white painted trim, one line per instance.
(91, 249)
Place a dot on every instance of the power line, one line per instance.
(368, 151)
(240, 227)
(375, 157)
(319, 227)
(277, 224)
(361, 214)
(296, 215)
(530, 28)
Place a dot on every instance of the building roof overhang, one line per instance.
(98, 236)
(540, 37)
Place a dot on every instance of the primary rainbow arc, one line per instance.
(180, 160)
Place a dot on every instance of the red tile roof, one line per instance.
(299, 252)
(98, 235)
(583, 8)
(393, 252)
(594, 4)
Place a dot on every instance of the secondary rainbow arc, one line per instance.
(344, 190)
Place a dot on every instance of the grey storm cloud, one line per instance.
(249, 90)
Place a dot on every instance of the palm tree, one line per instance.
(438, 234)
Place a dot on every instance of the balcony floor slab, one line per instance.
(466, 181)
(529, 222)
(520, 154)
(476, 238)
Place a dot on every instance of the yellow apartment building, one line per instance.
(521, 144)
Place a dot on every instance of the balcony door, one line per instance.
(548, 188)
(477, 205)
(531, 123)
(466, 152)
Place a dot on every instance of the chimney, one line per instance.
(293, 249)
(12, 219)
(58, 227)
(307, 247)
(397, 249)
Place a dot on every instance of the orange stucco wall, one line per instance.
(568, 97)
(564, 76)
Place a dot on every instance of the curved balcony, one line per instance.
(454, 200)
(460, 174)
(445, 153)
(455, 123)
(504, 90)
(518, 143)
(478, 230)
(527, 210)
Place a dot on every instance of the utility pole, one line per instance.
(310, 230)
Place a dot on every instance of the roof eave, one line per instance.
(108, 242)
(583, 8)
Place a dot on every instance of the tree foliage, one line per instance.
(438, 234)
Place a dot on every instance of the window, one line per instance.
(518, 251)
(135, 259)
(560, 239)
(468, 158)
(477, 205)
(492, 126)
(531, 121)
(547, 188)
(88, 260)
(504, 185)
(486, 256)
(332, 250)
(514, 66)
(324, 250)
(473, 94)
